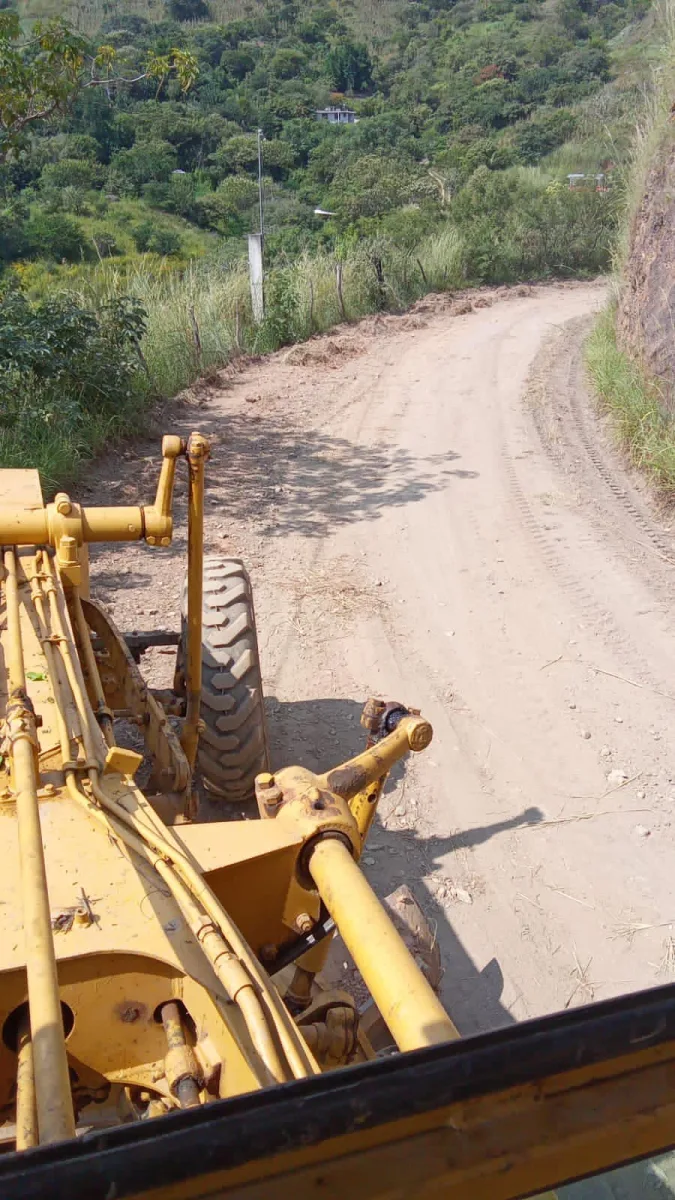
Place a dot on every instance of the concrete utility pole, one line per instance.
(255, 271)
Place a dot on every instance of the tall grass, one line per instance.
(653, 127)
(634, 403)
(196, 320)
(199, 317)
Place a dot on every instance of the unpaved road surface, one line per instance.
(432, 512)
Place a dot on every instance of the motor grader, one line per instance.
(169, 1021)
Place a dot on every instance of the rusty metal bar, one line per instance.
(182, 1069)
(197, 452)
(61, 626)
(411, 733)
(51, 656)
(26, 1112)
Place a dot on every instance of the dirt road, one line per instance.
(431, 512)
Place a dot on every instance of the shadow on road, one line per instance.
(321, 733)
(294, 480)
(307, 481)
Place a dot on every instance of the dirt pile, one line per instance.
(647, 299)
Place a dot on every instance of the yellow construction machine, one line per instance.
(170, 1021)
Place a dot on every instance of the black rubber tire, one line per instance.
(233, 746)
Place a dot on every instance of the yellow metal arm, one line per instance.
(64, 519)
(411, 733)
(409, 1006)
(55, 1117)
(333, 813)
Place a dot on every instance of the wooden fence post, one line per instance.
(197, 339)
(338, 280)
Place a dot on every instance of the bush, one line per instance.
(106, 243)
(52, 235)
(13, 238)
(513, 228)
(149, 238)
(165, 241)
(182, 196)
(73, 199)
(70, 172)
(69, 379)
(544, 133)
(142, 235)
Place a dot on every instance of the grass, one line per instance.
(635, 404)
(40, 277)
(634, 400)
(214, 301)
(375, 20)
(199, 317)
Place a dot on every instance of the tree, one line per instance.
(145, 162)
(13, 218)
(349, 67)
(70, 172)
(237, 63)
(188, 10)
(288, 64)
(241, 154)
(369, 186)
(44, 75)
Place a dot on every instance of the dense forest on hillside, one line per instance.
(458, 95)
(123, 214)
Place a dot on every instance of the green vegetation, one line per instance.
(635, 402)
(460, 105)
(142, 181)
(180, 325)
(635, 405)
(58, 405)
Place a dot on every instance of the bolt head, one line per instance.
(304, 923)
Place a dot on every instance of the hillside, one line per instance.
(630, 353)
(124, 218)
(469, 113)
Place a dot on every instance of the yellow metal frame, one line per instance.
(123, 916)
